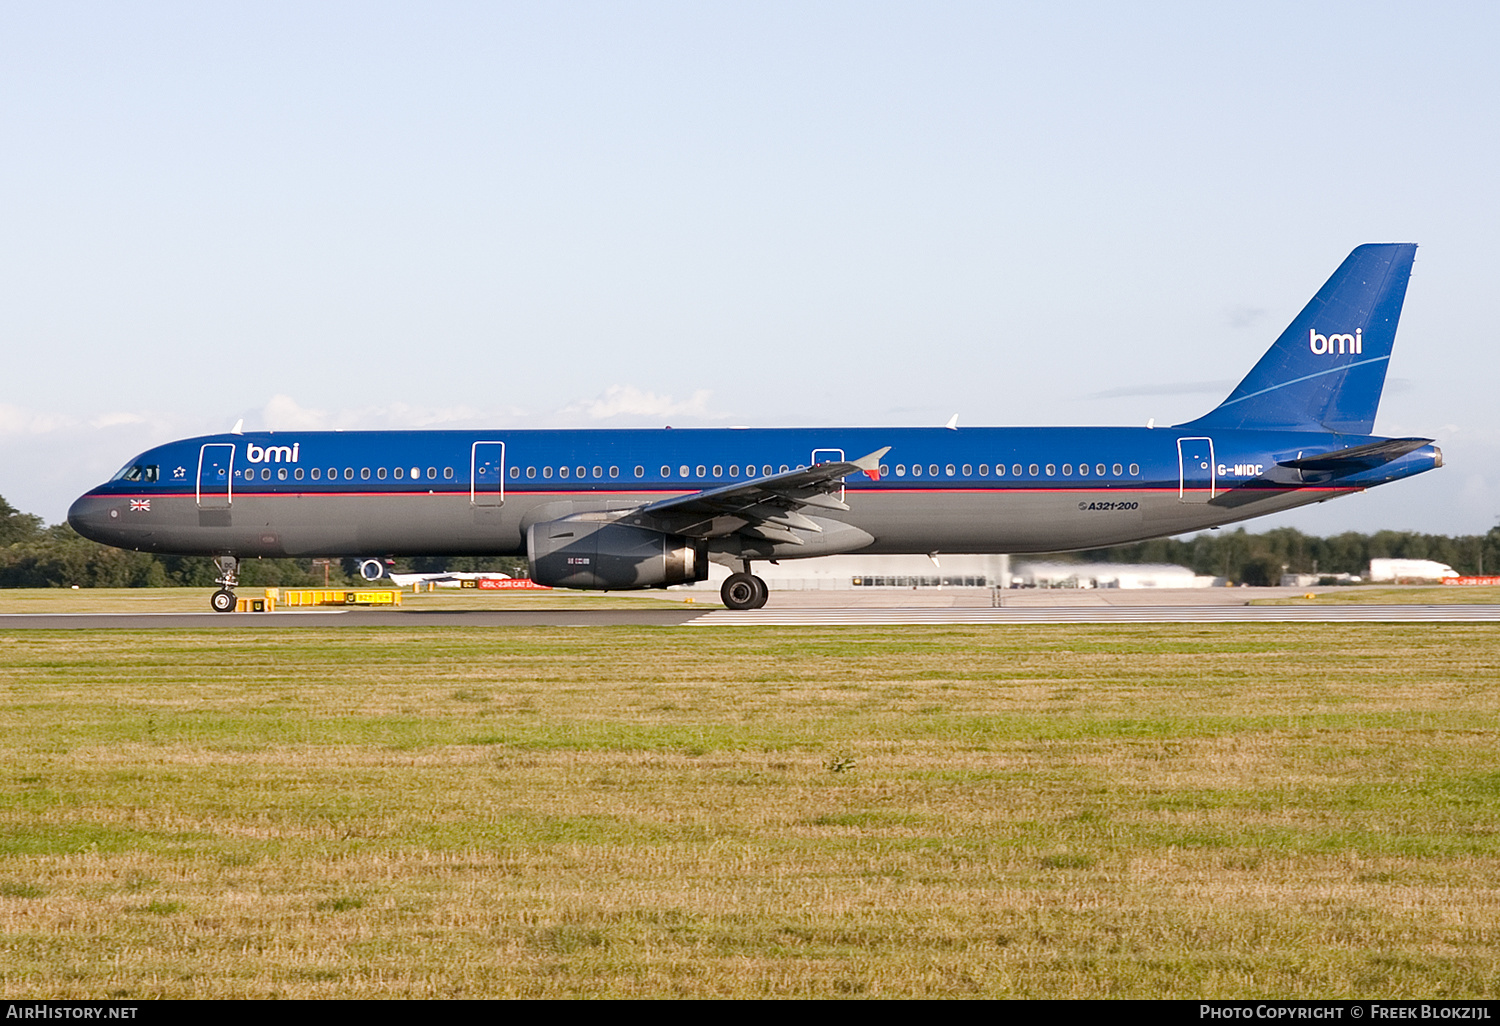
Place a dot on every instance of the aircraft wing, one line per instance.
(768, 508)
(1359, 457)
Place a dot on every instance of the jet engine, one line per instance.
(580, 552)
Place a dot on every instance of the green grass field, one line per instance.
(1215, 811)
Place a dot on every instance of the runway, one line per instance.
(770, 617)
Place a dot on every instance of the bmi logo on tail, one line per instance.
(1321, 344)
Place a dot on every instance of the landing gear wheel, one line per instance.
(223, 601)
(740, 591)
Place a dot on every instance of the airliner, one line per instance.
(618, 509)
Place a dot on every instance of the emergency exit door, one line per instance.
(1195, 465)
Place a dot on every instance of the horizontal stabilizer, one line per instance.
(1359, 457)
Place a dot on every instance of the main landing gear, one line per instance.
(744, 590)
(223, 600)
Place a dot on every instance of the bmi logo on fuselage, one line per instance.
(1321, 344)
(272, 453)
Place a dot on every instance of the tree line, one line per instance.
(33, 555)
(1261, 559)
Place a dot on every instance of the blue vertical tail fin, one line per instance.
(1327, 370)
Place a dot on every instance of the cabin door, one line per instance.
(215, 475)
(1195, 464)
(829, 456)
(487, 474)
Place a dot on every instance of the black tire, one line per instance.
(761, 592)
(739, 592)
(223, 601)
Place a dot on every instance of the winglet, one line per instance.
(871, 464)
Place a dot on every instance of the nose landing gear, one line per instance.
(744, 590)
(223, 600)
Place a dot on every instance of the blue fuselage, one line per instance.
(470, 492)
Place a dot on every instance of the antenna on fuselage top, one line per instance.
(239, 427)
(952, 424)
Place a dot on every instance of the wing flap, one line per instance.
(766, 508)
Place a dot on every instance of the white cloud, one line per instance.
(628, 401)
(18, 420)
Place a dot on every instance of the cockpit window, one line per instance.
(138, 472)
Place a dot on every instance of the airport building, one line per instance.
(855, 571)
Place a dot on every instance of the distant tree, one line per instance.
(16, 526)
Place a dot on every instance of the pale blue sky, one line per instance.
(592, 214)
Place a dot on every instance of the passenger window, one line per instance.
(265, 473)
(682, 471)
(718, 472)
(380, 473)
(1099, 469)
(547, 472)
(1051, 470)
(364, 473)
(531, 472)
(316, 473)
(968, 470)
(399, 473)
(1016, 470)
(640, 471)
(666, 472)
(614, 471)
(297, 473)
(766, 470)
(432, 473)
(515, 472)
(1034, 469)
(734, 470)
(598, 472)
(1135, 469)
(783, 469)
(700, 470)
(416, 473)
(281, 473)
(562, 471)
(984, 470)
(1117, 469)
(950, 470)
(885, 470)
(901, 470)
(249, 474)
(932, 470)
(916, 470)
(448, 473)
(582, 473)
(1068, 469)
(348, 473)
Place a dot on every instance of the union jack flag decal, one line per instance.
(140, 504)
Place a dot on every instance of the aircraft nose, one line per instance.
(95, 517)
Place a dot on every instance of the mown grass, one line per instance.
(1194, 811)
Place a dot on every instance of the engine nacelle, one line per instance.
(582, 553)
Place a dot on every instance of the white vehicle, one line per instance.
(1410, 570)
